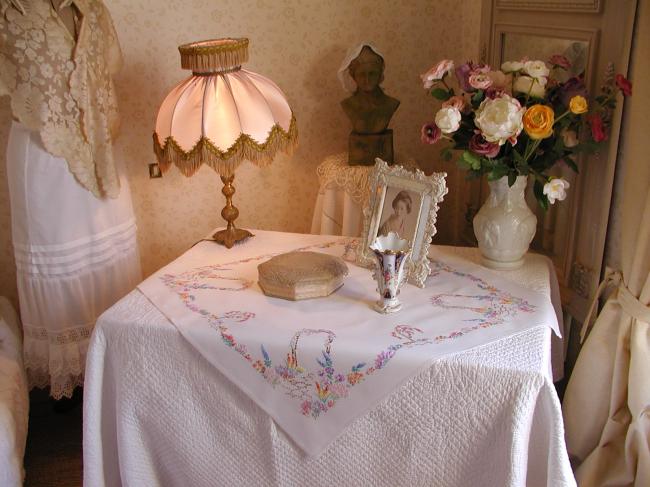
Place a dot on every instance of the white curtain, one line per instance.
(607, 401)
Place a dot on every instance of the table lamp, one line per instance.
(221, 116)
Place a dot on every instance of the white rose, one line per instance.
(555, 189)
(448, 119)
(534, 86)
(511, 66)
(536, 69)
(569, 137)
(499, 119)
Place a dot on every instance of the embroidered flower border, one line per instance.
(320, 389)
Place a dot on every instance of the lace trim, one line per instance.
(69, 335)
(63, 89)
(334, 171)
(60, 386)
(56, 359)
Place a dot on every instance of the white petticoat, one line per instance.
(76, 255)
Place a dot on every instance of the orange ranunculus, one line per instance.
(538, 121)
(578, 105)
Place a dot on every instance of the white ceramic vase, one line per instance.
(505, 225)
(391, 254)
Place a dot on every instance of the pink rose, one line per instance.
(455, 101)
(480, 146)
(436, 73)
(464, 71)
(430, 133)
(560, 61)
(480, 81)
(480, 68)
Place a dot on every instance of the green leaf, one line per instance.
(441, 94)
(538, 190)
(446, 154)
(498, 171)
(512, 178)
(472, 160)
(571, 163)
(477, 97)
(518, 157)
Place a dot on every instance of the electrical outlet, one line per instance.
(154, 171)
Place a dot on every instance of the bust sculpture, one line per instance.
(369, 108)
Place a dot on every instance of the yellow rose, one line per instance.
(578, 105)
(538, 121)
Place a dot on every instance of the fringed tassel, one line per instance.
(225, 162)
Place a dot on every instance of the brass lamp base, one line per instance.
(231, 235)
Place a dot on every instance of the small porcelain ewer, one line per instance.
(391, 254)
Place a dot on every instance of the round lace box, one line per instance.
(301, 275)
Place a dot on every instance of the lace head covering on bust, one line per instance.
(344, 73)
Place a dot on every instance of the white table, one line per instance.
(157, 413)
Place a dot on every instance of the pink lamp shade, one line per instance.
(222, 114)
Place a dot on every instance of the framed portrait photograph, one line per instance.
(404, 202)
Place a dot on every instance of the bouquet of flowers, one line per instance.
(519, 120)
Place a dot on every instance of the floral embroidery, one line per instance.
(318, 386)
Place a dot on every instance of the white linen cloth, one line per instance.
(76, 255)
(158, 413)
(14, 400)
(336, 213)
(343, 192)
(315, 366)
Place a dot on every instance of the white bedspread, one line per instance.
(315, 366)
(157, 413)
(14, 400)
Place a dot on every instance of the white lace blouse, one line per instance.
(60, 84)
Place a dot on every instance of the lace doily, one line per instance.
(354, 180)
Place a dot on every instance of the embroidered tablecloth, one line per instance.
(315, 366)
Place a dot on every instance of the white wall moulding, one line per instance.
(586, 6)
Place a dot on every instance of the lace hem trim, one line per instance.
(60, 385)
(56, 359)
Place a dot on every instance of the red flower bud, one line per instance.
(624, 84)
(597, 128)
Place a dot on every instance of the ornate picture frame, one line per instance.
(403, 201)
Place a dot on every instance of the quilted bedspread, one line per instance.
(157, 413)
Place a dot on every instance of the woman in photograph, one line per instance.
(402, 204)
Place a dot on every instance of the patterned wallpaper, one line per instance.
(299, 44)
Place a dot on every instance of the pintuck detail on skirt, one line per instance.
(76, 256)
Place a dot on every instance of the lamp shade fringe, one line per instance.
(225, 162)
